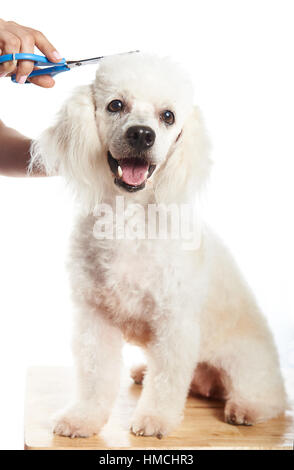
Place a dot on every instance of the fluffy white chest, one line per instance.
(146, 274)
(140, 270)
(134, 282)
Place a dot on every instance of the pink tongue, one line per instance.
(133, 171)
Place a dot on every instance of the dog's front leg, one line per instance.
(171, 360)
(97, 350)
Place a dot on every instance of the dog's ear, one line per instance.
(188, 164)
(71, 147)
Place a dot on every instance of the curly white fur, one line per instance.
(190, 310)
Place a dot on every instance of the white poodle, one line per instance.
(135, 133)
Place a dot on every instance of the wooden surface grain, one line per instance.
(49, 390)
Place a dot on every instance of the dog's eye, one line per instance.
(168, 117)
(115, 106)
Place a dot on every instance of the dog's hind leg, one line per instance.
(255, 390)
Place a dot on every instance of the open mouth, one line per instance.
(130, 173)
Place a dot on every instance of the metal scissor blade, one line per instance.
(94, 60)
(78, 63)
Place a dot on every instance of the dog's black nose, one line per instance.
(140, 137)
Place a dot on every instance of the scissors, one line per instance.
(53, 68)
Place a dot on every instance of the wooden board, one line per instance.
(49, 390)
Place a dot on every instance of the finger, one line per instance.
(46, 47)
(25, 67)
(10, 44)
(45, 81)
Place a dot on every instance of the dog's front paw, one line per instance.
(148, 425)
(78, 421)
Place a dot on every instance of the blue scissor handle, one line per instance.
(39, 60)
(52, 71)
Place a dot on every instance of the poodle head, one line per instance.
(133, 131)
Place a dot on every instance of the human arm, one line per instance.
(14, 153)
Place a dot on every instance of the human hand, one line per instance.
(15, 38)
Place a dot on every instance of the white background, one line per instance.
(240, 57)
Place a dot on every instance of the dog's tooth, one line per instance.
(146, 174)
(119, 170)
